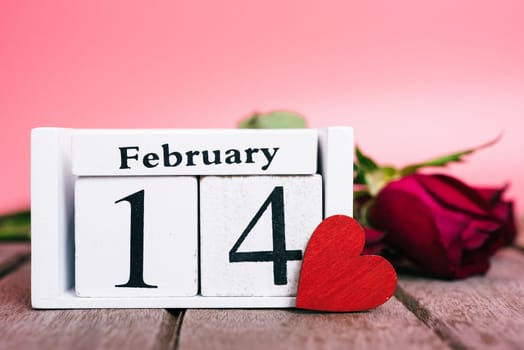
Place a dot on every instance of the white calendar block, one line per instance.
(136, 236)
(253, 232)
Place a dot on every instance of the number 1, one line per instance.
(136, 254)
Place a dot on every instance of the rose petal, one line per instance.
(374, 242)
(477, 268)
(503, 211)
(506, 213)
(373, 236)
(477, 232)
(454, 194)
(491, 195)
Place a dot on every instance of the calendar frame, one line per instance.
(52, 226)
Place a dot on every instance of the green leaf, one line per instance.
(360, 194)
(369, 173)
(359, 176)
(365, 163)
(15, 227)
(362, 213)
(379, 178)
(274, 120)
(444, 160)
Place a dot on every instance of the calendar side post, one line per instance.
(336, 147)
(52, 214)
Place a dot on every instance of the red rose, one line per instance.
(444, 226)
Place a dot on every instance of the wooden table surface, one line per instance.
(476, 313)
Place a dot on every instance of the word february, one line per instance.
(175, 152)
(131, 155)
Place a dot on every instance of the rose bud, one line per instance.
(447, 228)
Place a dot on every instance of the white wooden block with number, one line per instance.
(253, 232)
(136, 236)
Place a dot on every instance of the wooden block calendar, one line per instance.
(180, 218)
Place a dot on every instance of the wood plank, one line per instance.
(24, 328)
(390, 326)
(12, 255)
(507, 265)
(475, 313)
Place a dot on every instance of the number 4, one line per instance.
(279, 255)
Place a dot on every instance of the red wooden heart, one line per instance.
(334, 277)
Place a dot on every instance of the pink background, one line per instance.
(414, 78)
